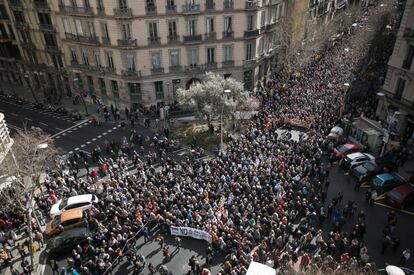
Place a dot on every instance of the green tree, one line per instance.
(208, 99)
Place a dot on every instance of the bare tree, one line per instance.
(29, 158)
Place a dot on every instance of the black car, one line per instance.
(366, 171)
(65, 242)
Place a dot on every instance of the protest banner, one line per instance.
(190, 232)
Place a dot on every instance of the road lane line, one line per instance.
(13, 114)
(94, 139)
(88, 142)
(83, 145)
(26, 118)
(109, 130)
(394, 208)
(76, 149)
(59, 129)
(99, 136)
(14, 127)
(44, 124)
(76, 125)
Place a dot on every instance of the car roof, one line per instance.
(369, 155)
(355, 155)
(80, 198)
(71, 214)
(76, 232)
(404, 189)
(385, 176)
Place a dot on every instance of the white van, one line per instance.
(76, 202)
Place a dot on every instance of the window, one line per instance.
(152, 30)
(110, 60)
(73, 55)
(44, 18)
(228, 52)
(211, 58)
(57, 61)
(209, 25)
(100, 5)
(130, 62)
(228, 24)
(210, 4)
(172, 28)
(191, 27)
(408, 61)
(250, 22)
(97, 58)
(102, 85)
(249, 51)
(73, 3)
(175, 58)
(115, 91)
(399, 89)
(156, 60)
(278, 11)
(159, 89)
(122, 4)
(90, 29)
(85, 57)
(126, 31)
(66, 25)
(228, 4)
(86, 3)
(262, 18)
(19, 16)
(104, 29)
(192, 57)
(78, 25)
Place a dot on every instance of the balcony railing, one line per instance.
(250, 62)
(100, 11)
(28, 45)
(132, 74)
(175, 69)
(189, 8)
(211, 66)
(192, 38)
(210, 6)
(409, 33)
(171, 9)
(210, 36)
(228, 63)
(173, 39)
(251, 34)
(85, 11)
(106, 40)
(21, 25)
(83, 39)
(154, 40)
(109, 70)
(127, 43)
(41, 5)
(194, 68)
(228, 5)
(46, 28)
(151, 10)
(52, 48)
(228, 35)
(123, 13)
(251, 5)
(16, 3)
(156, 71)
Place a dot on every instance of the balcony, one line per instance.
(123, 13)
(228, 5)
(82, 39)
(211, 66)
(251, 34)
(52, 49)
(127, 43)
(80, 11)
(109, 70)
(210, 36)
(194, 68)
(191, 9)
(251, 6)
(21, 25)
(28, 45)
(188, 39)
(173, 39)
(175, 69)
(100, 11)
(151, 10)
(41, 5)
(228, 35)
(249, 63)
(46, 28)
(228, 64)
(271, 26)
(131, 74)
(157, 71)
(4, 38)
(16, 3)
(106, 40)
(154, 40)
(210, 6)
(170, 9)
(409, 33)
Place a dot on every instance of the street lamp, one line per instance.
(226, 92)
(77, 80)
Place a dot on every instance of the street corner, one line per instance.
(383, 201)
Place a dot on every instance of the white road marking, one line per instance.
(179, 150)
(94, 139)
(14, 127)
(88, 142)
(76, 149)
(83, 145)
(70, 131)
(80, 123)
(104, 134)
(99, 136)
(13, 114)
(115, 127)
(70, 152)
(44, 124)
(59, 129)
(26, 118)
(109, 130)
(58, 137)
(80, 126)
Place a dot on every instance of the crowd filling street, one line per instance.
(262, 199)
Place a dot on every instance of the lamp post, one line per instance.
(387, 132)
(77, 80)
(226, 92)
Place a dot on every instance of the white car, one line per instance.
(76, 202)
(352, 160)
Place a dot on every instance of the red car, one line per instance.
(346, 149)
(401, 196)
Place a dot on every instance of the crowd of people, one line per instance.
(262, 199)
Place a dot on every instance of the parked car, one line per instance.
(352, 160)
(385, 182)
(67, 241)
(366, 171)
(76, 202)
(336, 134)
(401, 196)
(64, 221)
(346, 149)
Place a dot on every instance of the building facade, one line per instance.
(396, 102)
(33, 57)
(138, 53)
(5, 141)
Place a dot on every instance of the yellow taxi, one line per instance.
(64, 221)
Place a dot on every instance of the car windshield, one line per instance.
(343, 149)
(378, 181)
(395, 195)
(63, 204)
(56, 221)
(369, 166)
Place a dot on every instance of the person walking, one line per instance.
(405, 256)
